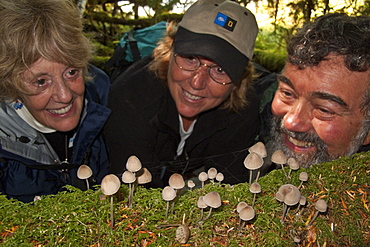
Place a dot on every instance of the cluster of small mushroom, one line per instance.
(176, 182)
(211, 200)
(134, 175)
(212, 175)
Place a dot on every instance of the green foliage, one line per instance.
(82, 218)
(270, 49)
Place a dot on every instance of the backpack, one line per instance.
(134, 45)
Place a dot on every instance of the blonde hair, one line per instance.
(160, 64)
(34, 29)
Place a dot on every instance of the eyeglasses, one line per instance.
(192, 63)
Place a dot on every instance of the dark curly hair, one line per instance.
(336, 34)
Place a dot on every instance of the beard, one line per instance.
(321, 153)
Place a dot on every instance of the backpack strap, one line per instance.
(133, 45)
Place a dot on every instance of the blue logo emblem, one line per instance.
(225, 21)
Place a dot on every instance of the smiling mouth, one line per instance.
(61, 111)
(191, 96)
(300, 143)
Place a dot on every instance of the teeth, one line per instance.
(193, 97)
(61, 111)
(300, 143)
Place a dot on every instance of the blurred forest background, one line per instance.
(107, 20)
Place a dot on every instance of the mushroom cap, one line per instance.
(220, 177)
(290, 193)
(191, 184)
(182, 234)
(168, 193)
(176, 181)
(279, 157)
(240, 206)
(128, 177)
(302, 200)
(279, 197)
(84, 172)
(110, 184)
(293, 164)
(144, 177)
(212, 173)
(203, 176)
(247, 213)
(133, 164)
(201, 203)
(321, 205)
(253, 161)
(212, 199)
(258, 148)
(255, 188)
(303, 176)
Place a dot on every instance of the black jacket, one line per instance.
(145, 123)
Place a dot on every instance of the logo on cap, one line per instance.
(225, 21)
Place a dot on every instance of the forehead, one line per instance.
(330, 77)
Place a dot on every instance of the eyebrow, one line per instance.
(320, 95)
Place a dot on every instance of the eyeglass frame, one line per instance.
(209, 67)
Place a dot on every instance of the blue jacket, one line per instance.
(28, 166)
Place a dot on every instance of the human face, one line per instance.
(195, 91)
(57, 94)
(318, 111)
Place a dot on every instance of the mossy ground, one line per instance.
(83, 219)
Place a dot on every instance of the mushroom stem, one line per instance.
(300, 185)
(241, 224)
(313, 218)
(250, 176)
(209, 214)
(201, 215)
(167, 206)
(258, 174)
(87, 184)
(286, 175)
(111, 213)
(254, 199)
(202, 184)
(285, 211)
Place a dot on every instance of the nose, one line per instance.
(201, 77)
(62, 93)
(298, 118)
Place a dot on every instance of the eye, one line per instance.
(72, 73)
(219, 70)
(41, 82)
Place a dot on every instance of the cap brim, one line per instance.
(212, 48)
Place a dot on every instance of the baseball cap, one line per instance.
(219, 30)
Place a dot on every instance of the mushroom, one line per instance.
(258, 148)
(291, 196)
(168, 194)
(240, 206)
(253, 161)
(182, 233)
(303, 177)
(278, 157)
(293, 165)
(109, 186)
(202, 205)
(129, 178)
(213, 200)
(203, 176)
(176, 181)
(133, 164)
(255, 188)
(212, 173)
(84, 172)
(321, 207)
(247, 213)
(191, 184)
(144, 176)
(220, 177)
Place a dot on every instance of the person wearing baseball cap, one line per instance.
(191, 105)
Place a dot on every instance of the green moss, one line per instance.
(80, 218)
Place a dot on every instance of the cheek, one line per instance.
(334, 134)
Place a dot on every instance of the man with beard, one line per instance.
(321, 107)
